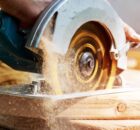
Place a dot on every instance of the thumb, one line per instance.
(131, 34)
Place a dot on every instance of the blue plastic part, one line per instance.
(12, 46)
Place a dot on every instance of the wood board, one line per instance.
(116, 111)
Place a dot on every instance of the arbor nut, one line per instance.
(116, 56)
(121, 107)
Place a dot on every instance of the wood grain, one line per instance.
(9, 76)
(110, 106)
(74, 113)
(105, 125)
(116, 111)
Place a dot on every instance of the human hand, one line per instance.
(131, 34)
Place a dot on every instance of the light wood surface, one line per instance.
(116, 111)
(110, 106)
(9, 76)
(121, 106)
(106, 125)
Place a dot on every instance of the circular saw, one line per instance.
(84, 43)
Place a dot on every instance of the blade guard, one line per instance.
(70, 15)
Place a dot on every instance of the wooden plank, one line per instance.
(124, 105)
(9, 76)
(110, 106)
(25, 107)
(21, 123)
(85, 113)
(105, 125)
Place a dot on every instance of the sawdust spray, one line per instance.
(55, 69)
(49, 69)
(51, 63)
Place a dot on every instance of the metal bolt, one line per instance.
(36, 88)
(87, 63)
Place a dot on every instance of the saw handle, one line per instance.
(12, 45)
(9, 28)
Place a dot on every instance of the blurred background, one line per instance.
(129, 11)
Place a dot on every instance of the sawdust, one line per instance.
(48, 68)
(57, 70)
(53, 69)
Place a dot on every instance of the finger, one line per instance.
(131, 35)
